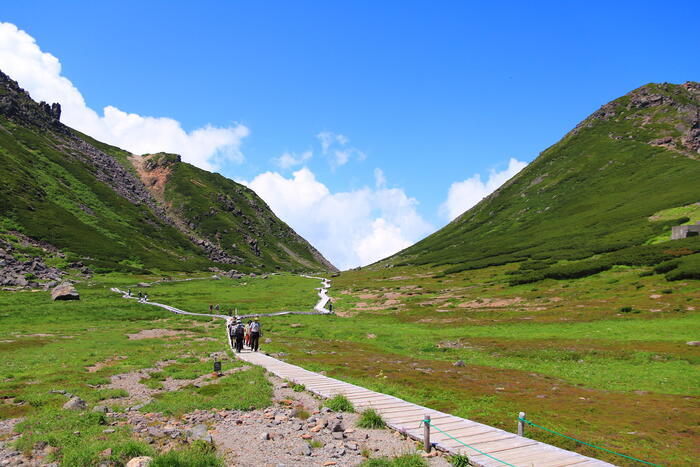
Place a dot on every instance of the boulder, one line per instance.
(100, 409)
(142, 461)
(75, 403)
(65, 291)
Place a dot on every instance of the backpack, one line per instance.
(255, 326)
(239, 330)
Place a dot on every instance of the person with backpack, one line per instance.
(239, 333)
(255, 335)
(229, 331)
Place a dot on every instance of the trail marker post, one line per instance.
(521, 424)
(427, 446)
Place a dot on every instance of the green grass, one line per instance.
(369, 418)
(198, 454)
(50, 346)
(406, 460)
(339, 403)
(249, 295)
(244, 390)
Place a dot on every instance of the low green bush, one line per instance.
(371, 419)
(339, 403)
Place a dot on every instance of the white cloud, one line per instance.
(291, 159)
(40, 74)
(336, 145)
(350, 228)
(465, 194)
(379, 178)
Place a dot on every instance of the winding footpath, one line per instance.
(484, 445)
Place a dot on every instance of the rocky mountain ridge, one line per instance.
(104, 206)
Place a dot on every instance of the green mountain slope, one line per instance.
(602, 193)
(64, 189)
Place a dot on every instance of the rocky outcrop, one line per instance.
(15, 103)
(65, 291)
(18, 273)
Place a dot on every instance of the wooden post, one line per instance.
(521, 424)
(427, 446)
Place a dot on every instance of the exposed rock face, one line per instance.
(65, 291)
(685, 136)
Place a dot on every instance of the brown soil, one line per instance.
(109, 362)
(156, 333)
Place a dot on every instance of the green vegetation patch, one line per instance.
(339, 403)
(369, 418)
(243, 390)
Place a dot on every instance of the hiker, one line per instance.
(145, 298)
(211, 308)
(330, 307)
(238, 333)
(128, 292)
(217, 307)
(140, 295)
(247, 332)
(229, 331)
(254, 335)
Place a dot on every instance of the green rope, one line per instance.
(470, 447)
(587, 444)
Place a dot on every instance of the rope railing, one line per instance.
(524, 420)
(427, 422)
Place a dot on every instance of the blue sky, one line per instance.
(425, 95)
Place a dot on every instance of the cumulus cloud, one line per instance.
(40, 74)
(336, 146)
(351, 228)
(291, 159)
(465, 194)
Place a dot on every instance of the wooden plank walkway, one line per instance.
(406, 417)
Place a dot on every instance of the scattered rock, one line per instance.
(143, 284)
(199, 432)
(459, 363)
(108, 431)
(264, 436)
(75, 403)
(693, 343)
(106, 453)
(268, 340)
(65, 291)
(100, 408)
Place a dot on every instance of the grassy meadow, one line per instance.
(602, 358)
(48, 346)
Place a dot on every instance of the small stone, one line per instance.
(304, 450)
(352, 446)
(109, 431)
(75, 403)
(459, 363)
(106, 453)
(693, 343)
(329, 463)
(432, 453)
(316, 429)
(306, 436)
(268, 340)
(337, 427)
(142, 461)
(338, 435)
(100, 408)
(264, 436)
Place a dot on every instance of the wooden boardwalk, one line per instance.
(406, 417)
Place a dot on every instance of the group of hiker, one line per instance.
(142, 296)
(244, 334)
